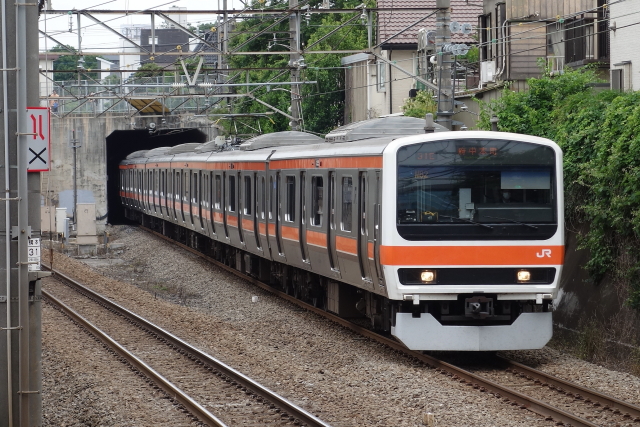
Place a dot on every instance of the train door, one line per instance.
(331, 225)
(302, 225)
(240, 203)
(212, 203)
(364, 251)
(279, 214)
(272, 223)
(374, 192)
(224, 205)
(147, 189)
(143, 193)
(177, 190)
(199, 199)
(258, 212)
(161, 192)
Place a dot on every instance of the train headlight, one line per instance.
(428, 276)
(523, 276)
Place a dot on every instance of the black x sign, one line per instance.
(37, 156)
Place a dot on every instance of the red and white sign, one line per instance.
(39, 142)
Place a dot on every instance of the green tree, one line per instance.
(66, 66)
(150, 69)
(599, 133)
(323, 103)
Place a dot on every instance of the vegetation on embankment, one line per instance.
(599, 132)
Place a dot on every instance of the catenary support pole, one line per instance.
(445, 88)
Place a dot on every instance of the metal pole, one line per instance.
(23, 229)
(7, 204)
(294, 31)
(445, 89)
(74, 145)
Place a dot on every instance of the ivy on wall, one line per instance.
(599, 133)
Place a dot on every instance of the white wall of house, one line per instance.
(104, 65)
(46, 79)
(625, 54)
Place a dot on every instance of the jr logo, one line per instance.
(544, 253)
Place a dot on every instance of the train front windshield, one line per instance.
(468, 189)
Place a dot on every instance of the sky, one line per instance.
(98, 38)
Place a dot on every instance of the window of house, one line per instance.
(347, 203)
(382, 76)
(317, 194)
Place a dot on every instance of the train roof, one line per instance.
(137, 154)
(184, 148)
(393, 126)
(280, 139)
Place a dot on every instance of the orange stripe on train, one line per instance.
(347, 245)
(317, 238)
(471, 255)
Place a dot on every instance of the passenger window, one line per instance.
(247, 195)
(263, 197)
(218, 191)
(290, 214)
(317, 194)
(232, 193)
(347, 203)
(271, 197)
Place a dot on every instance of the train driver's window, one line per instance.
(317, 194)
(290, 213)
(347, 203)
(232, 193)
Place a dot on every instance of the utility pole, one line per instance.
(75, 146)
(20, 297)
(294, 62)
(445, 87)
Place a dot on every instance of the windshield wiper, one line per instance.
(467, 220)
(514, 221)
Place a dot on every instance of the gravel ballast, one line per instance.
(343, 378)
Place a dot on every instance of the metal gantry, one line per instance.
(196, 86)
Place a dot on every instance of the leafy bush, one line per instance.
(419, 106)
(599, 133)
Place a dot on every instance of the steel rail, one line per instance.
(283, 404)
(484, 385)
(576, 390)
(169, 388)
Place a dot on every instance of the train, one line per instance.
(449, 241)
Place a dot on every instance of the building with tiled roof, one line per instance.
(393, 22)
(374, 86)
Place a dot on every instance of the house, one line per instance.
(625, 55)
(46, 77)
(515, 35)
(172, 40)
(374, 87)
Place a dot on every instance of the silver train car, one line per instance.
(447, 240)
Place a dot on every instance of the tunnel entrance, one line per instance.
(121, 143)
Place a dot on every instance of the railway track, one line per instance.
(589, 408)
(204, 387)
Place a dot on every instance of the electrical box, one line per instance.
(86, 224)
(487, 71)
(47, 219)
